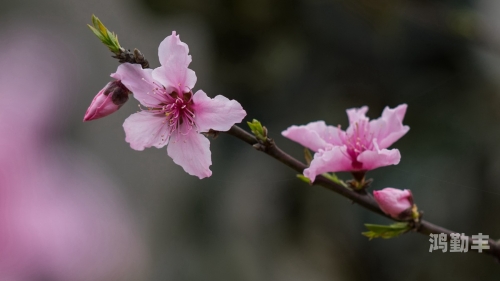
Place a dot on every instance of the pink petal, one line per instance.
(146, 129)
(393, 201)
(101, 106)
(191, 152)
(333, 159)
(315, 135)
(173, 72)
(389, 127)
(357, 114)
(171, 47)
(372, 159)
(140, 82)
(175, 79)
(218, 113)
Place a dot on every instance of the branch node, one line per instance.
(211, 133)
(259, 147)
(416, 223)
(135, 57)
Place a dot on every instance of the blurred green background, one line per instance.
(292, 62)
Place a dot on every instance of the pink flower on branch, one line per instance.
(173, 115)
(360, 148)
(395, 202)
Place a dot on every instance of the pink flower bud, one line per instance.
(107, 101)
(395, 202)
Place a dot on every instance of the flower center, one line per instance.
(358, 140)
(177, 108)
(178, 112)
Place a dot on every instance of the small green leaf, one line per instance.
(95, 21)
(101, 26)
(96, 32)
(303, 178)
(107, 37)
(257, 129)
(386, 231)
(333, 177)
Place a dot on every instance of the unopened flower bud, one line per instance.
(107, 101)
(395, 202)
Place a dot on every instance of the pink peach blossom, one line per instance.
(361, 147)
(394, 202)
(107, 101)
(173, 114)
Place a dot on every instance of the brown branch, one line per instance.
(361, 198)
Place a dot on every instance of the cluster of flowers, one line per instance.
(175, 116)
(360, 148)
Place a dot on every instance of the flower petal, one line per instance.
(146, 129)
(332, 159)
(173, 48)
(357, 114)
(315, 135)
(173, 72)
(140, 82)
(372, 159)
(389, 127)
(101, 106)
(191, 152)
(394, 201)
(218, 113)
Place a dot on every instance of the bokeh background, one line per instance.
(76, 203)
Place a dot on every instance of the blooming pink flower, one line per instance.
(107, 101)
(173, 114)
(361, 147)
(394, 202)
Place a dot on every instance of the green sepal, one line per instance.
(303, 178)
(258, 130)
(308, 156)
(107, 37)
(386, 231)
(333, 177)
